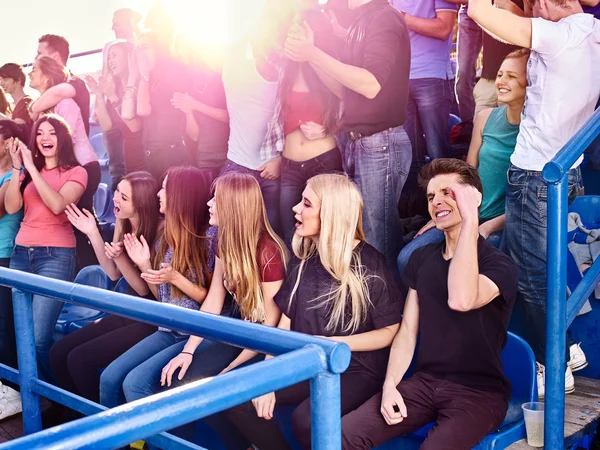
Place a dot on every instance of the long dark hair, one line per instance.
(11, 129)
(144, 188)
(324, 40)
(53, 70)
(4, 105)
(65, 154)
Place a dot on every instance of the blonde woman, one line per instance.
(339, 287)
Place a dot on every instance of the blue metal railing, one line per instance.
(555, 173)
(303, 357)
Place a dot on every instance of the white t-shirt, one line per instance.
(563, 75)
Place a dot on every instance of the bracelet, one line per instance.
(16, 168)
(187, 353)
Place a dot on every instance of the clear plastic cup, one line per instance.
(534, 423)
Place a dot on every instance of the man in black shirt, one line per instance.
(461, 295)
(57, 48)
(373, 80)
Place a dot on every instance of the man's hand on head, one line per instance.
(468, 200)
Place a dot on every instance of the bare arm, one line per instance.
(13, 200)
(3, 191)
(143, 99)
(371, 340)
(492, 225)
(191, 126)
(477, 137)
(503, 24)
(332, 84)
(439, 27)
(166, 274)
(51, 97)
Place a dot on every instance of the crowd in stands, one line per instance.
(278, 182)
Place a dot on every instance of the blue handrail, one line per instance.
(555, 173)
(303, 357)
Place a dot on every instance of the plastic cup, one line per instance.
(534, 423)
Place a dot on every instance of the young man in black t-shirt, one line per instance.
(461, 295)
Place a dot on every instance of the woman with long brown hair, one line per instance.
(5, 108)
(178, 272)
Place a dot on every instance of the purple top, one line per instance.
(593, 10)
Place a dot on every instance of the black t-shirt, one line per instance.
(82, 98)
(378, 41)
(462, 347)
(308, 316)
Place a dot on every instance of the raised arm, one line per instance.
(477, 136)
(503, 24)
(50, 98)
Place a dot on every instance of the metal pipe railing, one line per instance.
(303, 357)
(555, 173)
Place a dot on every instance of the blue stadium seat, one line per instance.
(97, 142)
(519, 368)
(102, 199)
(76, 314)
(453, 121)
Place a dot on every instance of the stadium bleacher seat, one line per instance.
(102, 199)
(97, 142)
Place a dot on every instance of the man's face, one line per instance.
(8, 84)
(441, 203)
(121, 26)
(44, 50)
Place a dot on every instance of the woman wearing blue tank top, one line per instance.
(493, 142)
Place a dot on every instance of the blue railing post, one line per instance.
(23, 312)
(325, 412)
(556, 319)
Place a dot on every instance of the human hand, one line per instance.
(468, 199)
(15, 153)
(83, 220)
(183, 102)
(26, 156)
(166, 274)
(428, 226)
(113, 250)
(182, 362)
(300, 43)
(93, 85)
(137, 249)
(271, 169)
(393, 408)
(312, 131)
(265, 405)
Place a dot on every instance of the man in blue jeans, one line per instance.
(373, 79)
(565, 45)
(430, 24)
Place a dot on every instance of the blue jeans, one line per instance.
(51, 262)
(379, 165)
(524, 240)
(113, 142)
(470, 41)
(269, 189)
(427, 118)
(294, 175)
(158, 348)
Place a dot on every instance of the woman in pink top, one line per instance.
(47, 72)
(45, 244)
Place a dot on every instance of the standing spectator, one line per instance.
(57, 48)
(430, 24)
(153, 79)
(565, 45)
(469, 42)
(45, 74)
(12, 80)
(45, 244)
(374, 82)
(121, 129)
(125, 24)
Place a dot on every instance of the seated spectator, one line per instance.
(78, 358)
(306, 118)
(57, 48)
(492, 144)
(45, 74)
(339, 287)
(178, 272)
(45, 244)
(12, 80)
(565, 45)
(122, 137)
(9, 227)
(153, 78)
(460, 300)
(5, 107)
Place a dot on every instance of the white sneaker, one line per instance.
(10, 402)
(541, 381)
(578, 360)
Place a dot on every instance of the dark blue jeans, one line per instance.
(294, 176)
(470, 40)
(379, 165)
(427, 119)
(113, 142)
(269, 189)
(525, 239)
(51, 262)
(8, 347)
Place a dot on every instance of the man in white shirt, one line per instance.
(563, 74)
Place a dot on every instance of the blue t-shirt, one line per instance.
(593, 10)
(429, 56)
(9, 225)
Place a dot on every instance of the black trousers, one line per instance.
(356, 388)
(85, 252)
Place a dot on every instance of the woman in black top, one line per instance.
(338, 287)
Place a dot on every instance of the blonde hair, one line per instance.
(242, 221)
(341, 225)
